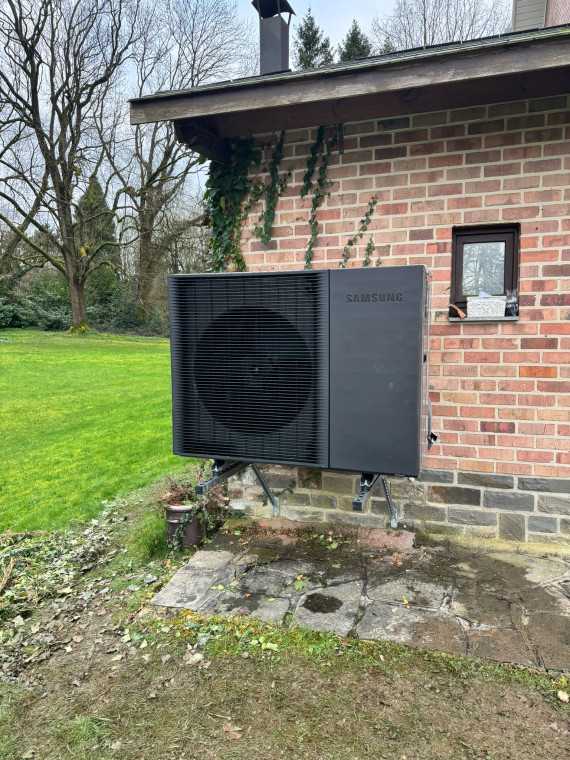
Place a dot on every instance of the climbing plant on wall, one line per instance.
(361, 231)
(272, 191)
(320, 192)
(227, 189)
(231, 194)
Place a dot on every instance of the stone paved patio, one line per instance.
(504, 606)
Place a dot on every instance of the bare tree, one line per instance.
(58, 59)
(181, 44)
(420, 23)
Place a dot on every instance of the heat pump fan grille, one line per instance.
(250, 364)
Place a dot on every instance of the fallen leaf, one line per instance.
(233, 732)
(194, 659)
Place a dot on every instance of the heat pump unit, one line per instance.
(324, 369)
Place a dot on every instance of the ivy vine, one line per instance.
(312, 161)
(361, 231)
(369, 252)
(272, 191)
(320, 192)
(227, 189)
(231, 194)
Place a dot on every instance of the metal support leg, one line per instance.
(367, 482)
(391, 506)
(270, 495)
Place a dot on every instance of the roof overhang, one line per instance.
(508, 67)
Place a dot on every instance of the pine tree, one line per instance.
(312, 48)
(95, 226)
(355, 44)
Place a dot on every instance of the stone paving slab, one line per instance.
(334, 609)
(502, 606)
(407, 625)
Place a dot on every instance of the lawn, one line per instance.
(82, 419)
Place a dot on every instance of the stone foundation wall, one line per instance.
(513, 508)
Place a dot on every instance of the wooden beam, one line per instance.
(474, 64)
(383, 105)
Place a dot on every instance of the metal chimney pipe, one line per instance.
(273, 35)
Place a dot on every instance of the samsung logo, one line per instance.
(374, 297)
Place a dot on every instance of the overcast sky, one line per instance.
(333, 16)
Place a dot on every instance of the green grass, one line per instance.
(83, 419)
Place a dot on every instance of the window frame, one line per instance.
(507, 233)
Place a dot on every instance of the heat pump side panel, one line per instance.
(376, 356)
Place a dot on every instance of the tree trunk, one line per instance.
(150, 263)
(77, 297)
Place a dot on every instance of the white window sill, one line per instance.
(483, 319)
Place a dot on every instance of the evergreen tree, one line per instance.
(387, 47)
(355, 44)
(312, 48)
(94, 227)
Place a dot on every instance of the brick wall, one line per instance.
(500, 391)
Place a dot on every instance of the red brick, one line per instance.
(464, 202)
(497, 427)
(535, 456)
(500, 399)
(449, 189)
(556, 299)
(426, 234)
(448, 159)
(524, 122)
(537, 371)
(545, 165)
(543, 135)
(554, 387)
(483, 157)
(547, 343)
(487, 357)
(483, 412)
(538, 400)
(485, 127)
(558, 270)
(381, 154)
(502, 170)
(521, 357)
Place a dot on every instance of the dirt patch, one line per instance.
(168, 706)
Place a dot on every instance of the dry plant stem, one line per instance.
(7, 576)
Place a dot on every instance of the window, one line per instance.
(485, 263)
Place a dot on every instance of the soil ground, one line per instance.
(93, 671)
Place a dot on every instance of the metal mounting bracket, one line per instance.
(367, 482)
(221, 470)
(224, 469)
